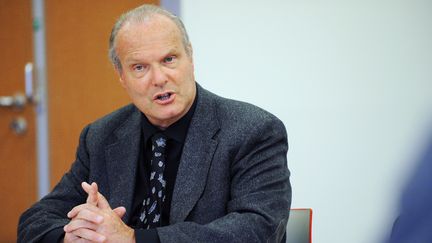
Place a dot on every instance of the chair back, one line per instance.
(299, 227)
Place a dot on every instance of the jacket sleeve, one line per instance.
(49, 214)
(260, 194)
(415, 219)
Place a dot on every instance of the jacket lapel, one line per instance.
(196, 158)
(122, 157)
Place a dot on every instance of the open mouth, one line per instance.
(164, 96)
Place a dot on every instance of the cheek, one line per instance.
(138, 86)
(182, 74)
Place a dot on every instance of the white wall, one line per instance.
(351, 80)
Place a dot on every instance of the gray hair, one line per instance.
(140, 15)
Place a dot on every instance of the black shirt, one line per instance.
(176, 134)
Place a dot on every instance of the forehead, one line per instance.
(155, 32)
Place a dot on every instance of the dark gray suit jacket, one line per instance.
(232, 183)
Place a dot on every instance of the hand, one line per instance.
(96, 221)
(83, 230)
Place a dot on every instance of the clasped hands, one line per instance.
(95, 221)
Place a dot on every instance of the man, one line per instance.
(179, 165)
(414, 223)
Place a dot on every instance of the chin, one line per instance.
(168, 117)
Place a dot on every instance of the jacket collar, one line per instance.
(122, 158)
(196, 158)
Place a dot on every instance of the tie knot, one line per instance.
(159, 141)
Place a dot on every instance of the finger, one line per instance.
(94, 197)
(88, 234)
(81, 207)
(92, 191)
(91, 216)
(87, 187)
(69, 238)
(120, 211)
(79, 223)
(102, 202)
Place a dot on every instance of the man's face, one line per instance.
(156, 71)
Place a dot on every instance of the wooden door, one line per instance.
(17, 152)
(82, 83)
(82, 86)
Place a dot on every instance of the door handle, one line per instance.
(19, 100)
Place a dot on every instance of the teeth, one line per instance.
(164, 97)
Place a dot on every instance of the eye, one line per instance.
(169, 59)
(138, 67)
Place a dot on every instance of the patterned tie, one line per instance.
(152, 206)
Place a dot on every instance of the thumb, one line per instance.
(102, 203)
(92, 191)
(120, 211)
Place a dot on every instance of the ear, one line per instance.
(122, 82)
(191, 55)
(121, 78)
(190, 51)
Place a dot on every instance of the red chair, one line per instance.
(299, 227)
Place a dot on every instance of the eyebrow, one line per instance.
(137, 58)
(172, 51)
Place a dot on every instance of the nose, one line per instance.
(159, 77)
